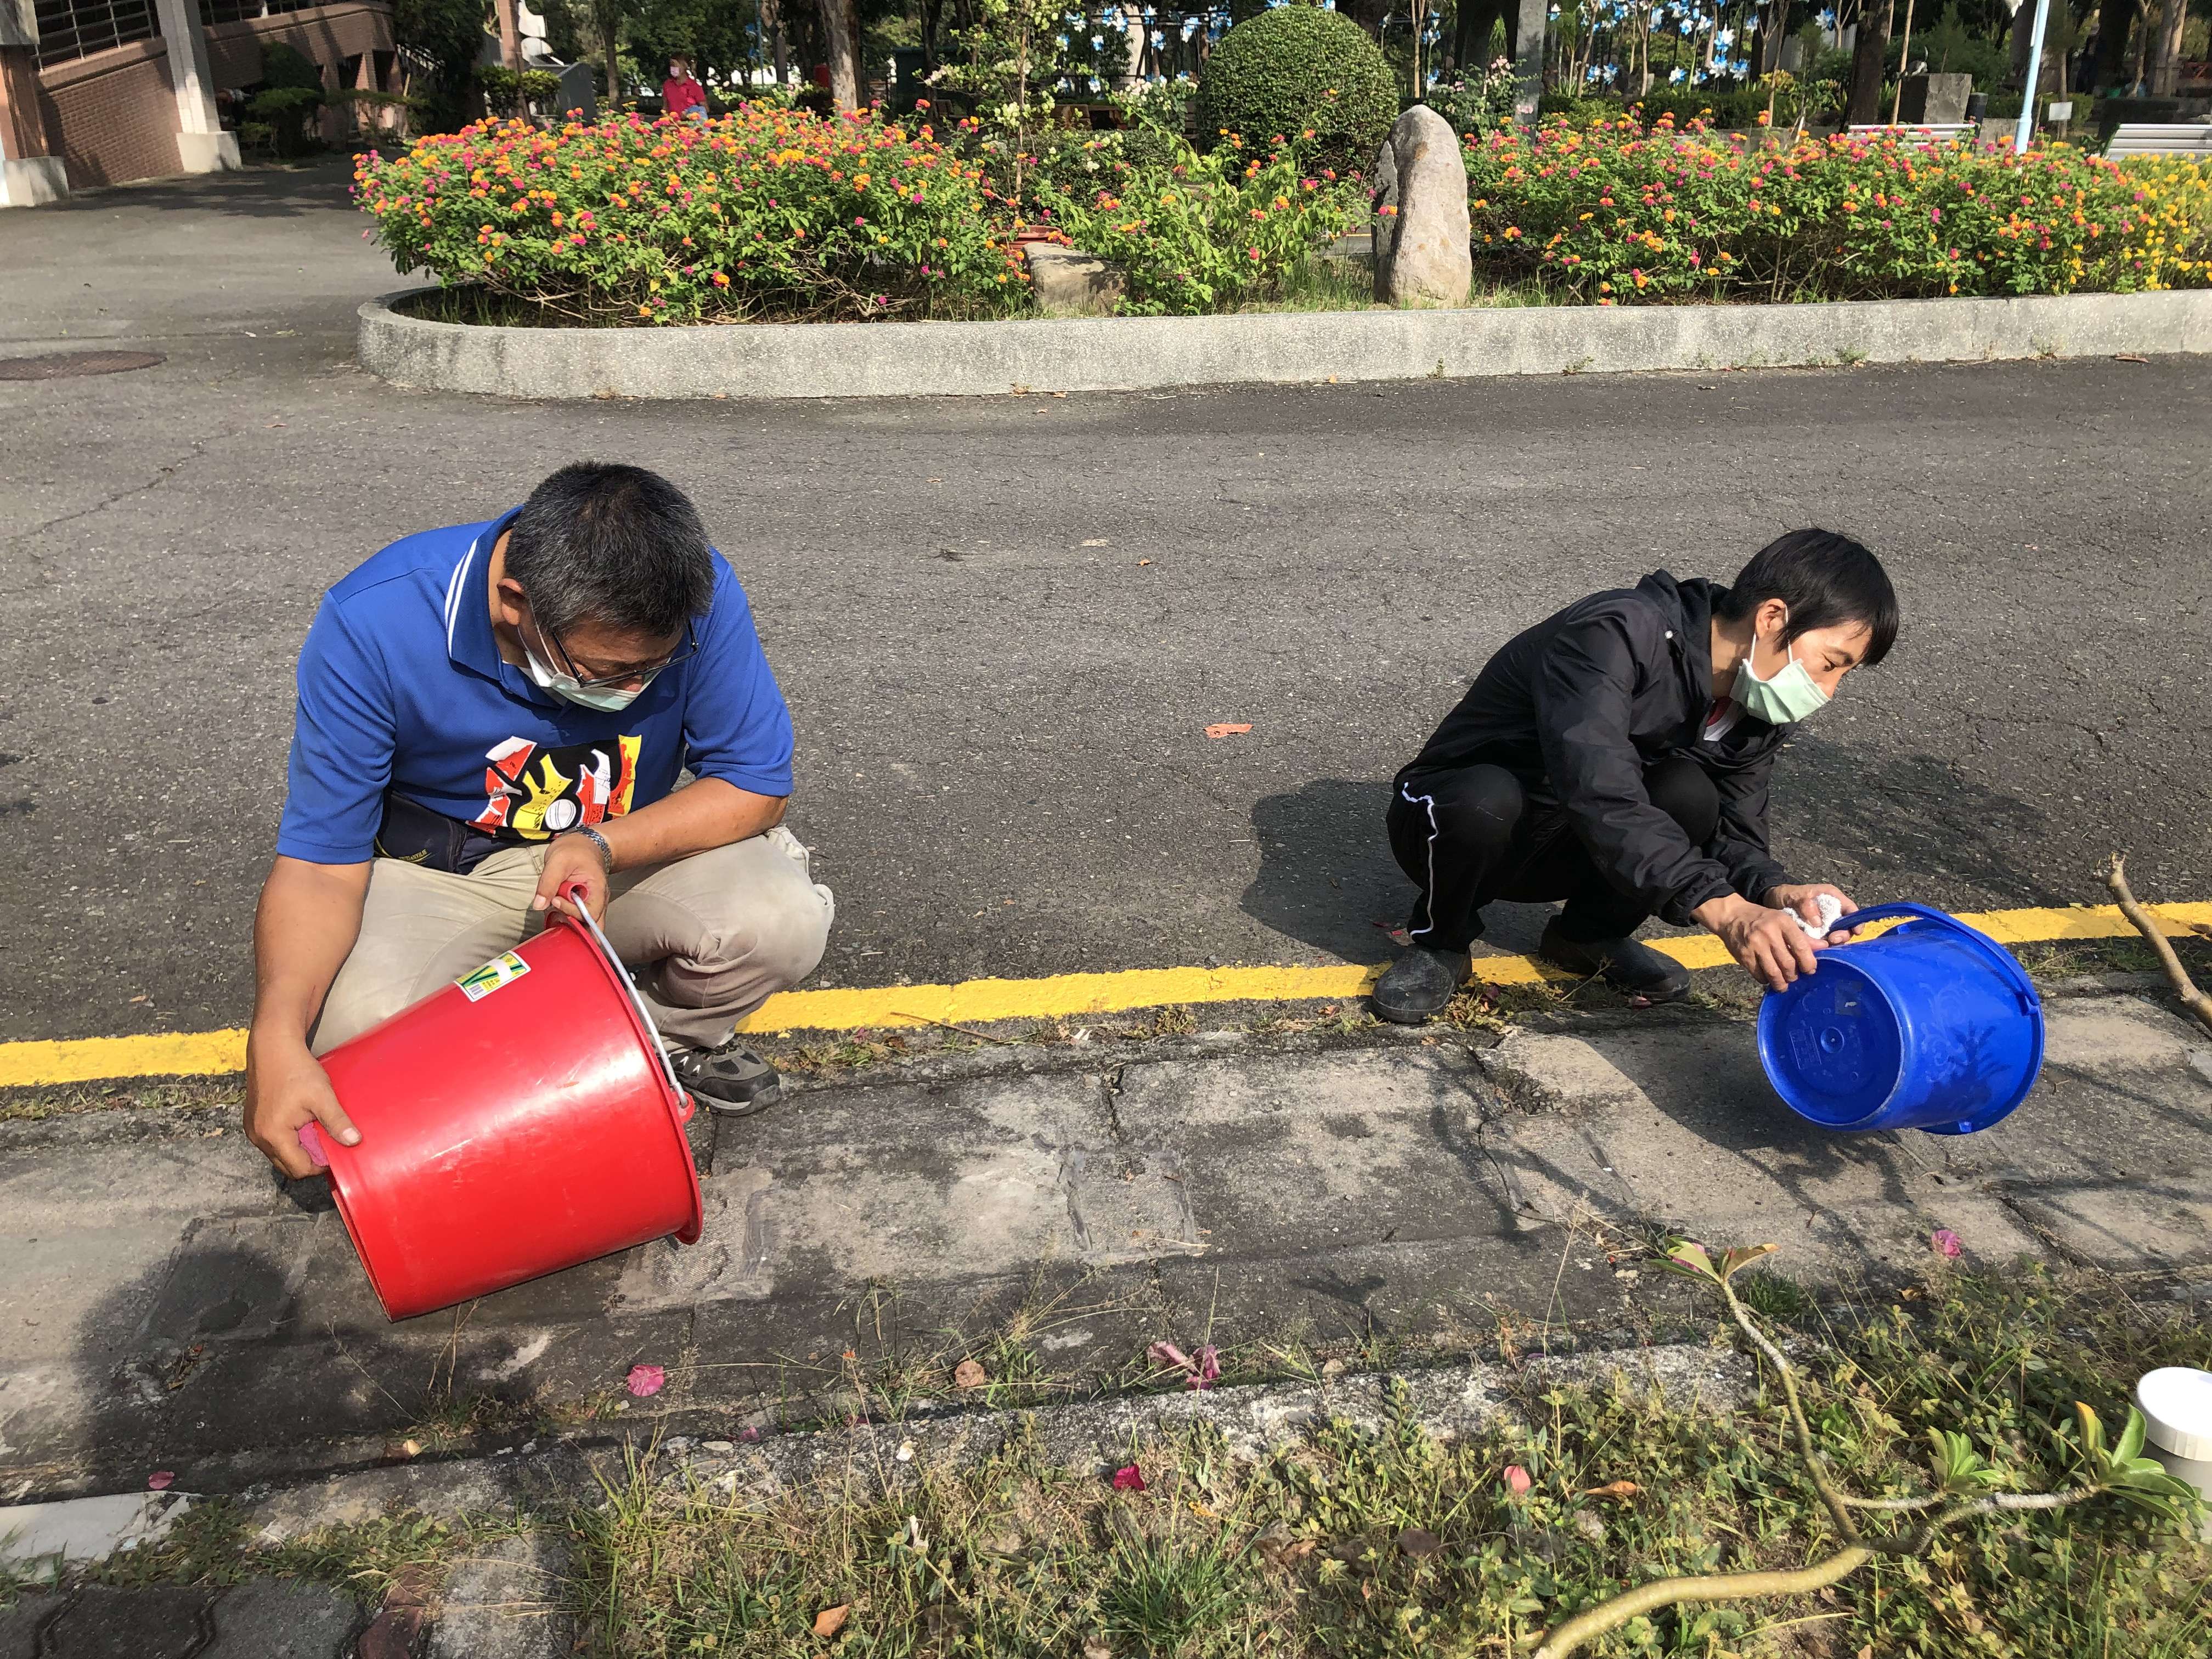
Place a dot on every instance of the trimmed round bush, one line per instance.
(1299, 69)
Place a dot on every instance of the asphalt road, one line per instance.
(1004, 624)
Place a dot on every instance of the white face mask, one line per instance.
(606, 699)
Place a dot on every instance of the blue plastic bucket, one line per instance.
(1929, 1026)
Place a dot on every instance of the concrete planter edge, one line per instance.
(1120, 354)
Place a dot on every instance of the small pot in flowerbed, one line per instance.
(1619, 213)
(768, 213)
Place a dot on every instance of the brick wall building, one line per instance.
(95, 92)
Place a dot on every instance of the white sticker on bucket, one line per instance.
(481, 983)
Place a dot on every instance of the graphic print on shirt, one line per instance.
(534, 792)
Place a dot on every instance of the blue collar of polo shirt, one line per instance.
(469, 639)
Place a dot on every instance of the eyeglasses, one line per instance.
(688, 649)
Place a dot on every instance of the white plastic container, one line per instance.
(2177, 1406)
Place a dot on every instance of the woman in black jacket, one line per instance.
(1616, 755)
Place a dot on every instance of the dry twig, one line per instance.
(2194, 1001)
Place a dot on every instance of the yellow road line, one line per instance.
(979, 1001)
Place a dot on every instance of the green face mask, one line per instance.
(1788, 698)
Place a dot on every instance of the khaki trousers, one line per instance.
(709, 937)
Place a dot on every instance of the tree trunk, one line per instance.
(2165, 66)
(771, 28)
(837, 45)
(2113, 18)
(1867, 54)
(607, 14)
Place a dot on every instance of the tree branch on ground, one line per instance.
(2116, 879)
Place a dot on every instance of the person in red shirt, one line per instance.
(680, 94)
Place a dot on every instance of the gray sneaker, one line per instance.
(1416, 987)
(731, 1081)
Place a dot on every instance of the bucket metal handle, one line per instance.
(574, 892)
(2006, 962)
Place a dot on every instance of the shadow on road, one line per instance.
(1912, 817)
(1326, 877)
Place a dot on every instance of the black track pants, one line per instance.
(1475, 834)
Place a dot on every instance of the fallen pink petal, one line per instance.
(1208, 1368)
(1946, 1242)
(748, 1433)
(1130, 1479)
(645, 1381)
(160, 1479)
(1166, 1354)
(1517, 1479)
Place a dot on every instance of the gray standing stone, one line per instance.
(503, 1602)
(284, 1618)
(1934, 100)
(1421, 230)
(1069, 282)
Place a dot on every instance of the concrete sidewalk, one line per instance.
(1049, 1211)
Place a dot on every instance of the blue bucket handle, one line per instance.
(2006, 963)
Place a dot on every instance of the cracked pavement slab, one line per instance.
(206, 1316)
(1004, 624)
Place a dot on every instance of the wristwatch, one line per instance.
(600, 841)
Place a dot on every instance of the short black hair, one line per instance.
(1826, 579)
(616, 546)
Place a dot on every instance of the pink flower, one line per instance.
(1516, 1481)
(1128, 1478)
(160, 1479)
(1946, 1242)
(646, 1381)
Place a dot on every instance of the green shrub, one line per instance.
(1207, 232)
(288, 66)
(1476, 101)
(1616, 215)
(1298, 70)
(510, 91)
(1728, 108)
(766, 212)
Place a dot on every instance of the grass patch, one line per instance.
(1348, 1542)
(211, 1544)
(37, 1102)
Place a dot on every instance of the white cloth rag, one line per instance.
(1830, 908)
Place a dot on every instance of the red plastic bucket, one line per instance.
(520, 1120)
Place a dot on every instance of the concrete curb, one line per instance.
(891, 360)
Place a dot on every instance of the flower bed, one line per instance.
(768, 210)
(775, 214)
(1617, 213)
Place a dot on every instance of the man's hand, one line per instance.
(1766, 941)
(286, 1087)
(1804, 897)
(572, 858)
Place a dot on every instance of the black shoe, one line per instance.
(1628, 965)
(1416, 987)
(731, 1081)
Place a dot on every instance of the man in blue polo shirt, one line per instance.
(491, 712)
